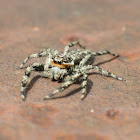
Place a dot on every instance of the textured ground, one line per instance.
(111, 110)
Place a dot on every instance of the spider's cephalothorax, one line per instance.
(62, 61)
(67, 67)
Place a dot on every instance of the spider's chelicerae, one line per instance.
(66, 67)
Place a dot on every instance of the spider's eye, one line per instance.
(65, 61)
(59, 63)
(54, 61)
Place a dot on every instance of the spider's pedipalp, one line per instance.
(107, 73)
(104, 52)
(45, 74)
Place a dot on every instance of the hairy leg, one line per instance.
(104, 52)
(66, 50)
(64, 85)
(84, 60)
(107, 73)
(43, 53)
(83, 85)
(25, 80)
(45, 74)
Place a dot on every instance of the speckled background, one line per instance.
(111, 111)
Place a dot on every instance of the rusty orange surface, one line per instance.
(111, 110)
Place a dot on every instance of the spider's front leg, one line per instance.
(34, 67)
(66, 50)
(107, 73)
(36, 55)
(64, 85)
(43, 53)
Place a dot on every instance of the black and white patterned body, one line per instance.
(66, 67)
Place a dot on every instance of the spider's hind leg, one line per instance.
(25, 80)
(66, 50)
(107, 73)
(104, 52)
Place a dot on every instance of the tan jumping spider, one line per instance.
(66, 67)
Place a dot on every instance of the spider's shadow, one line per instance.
(89, 83)
(98, 64)
(32, 82)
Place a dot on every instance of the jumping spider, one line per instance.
(66, 67)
